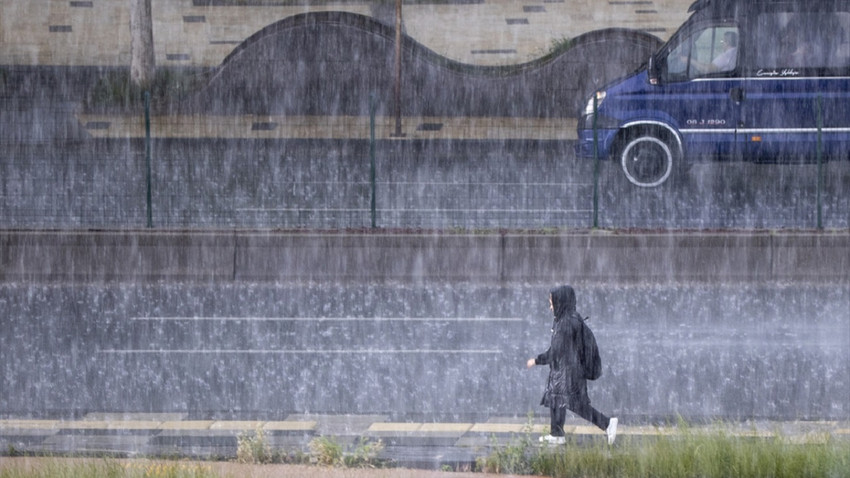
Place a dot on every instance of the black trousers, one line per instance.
(557, 417)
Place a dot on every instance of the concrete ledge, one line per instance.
(260, 256)
(410, 444)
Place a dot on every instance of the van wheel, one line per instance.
(648, 160)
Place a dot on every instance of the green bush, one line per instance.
(326, 451)
(365, 454)
(252, 447)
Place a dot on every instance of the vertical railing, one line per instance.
(148, 159)
(595, 167)
(398, 51)
(373, 202)
(819, 110)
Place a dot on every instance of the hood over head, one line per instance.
(563, 300)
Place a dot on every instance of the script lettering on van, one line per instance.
(778, 73)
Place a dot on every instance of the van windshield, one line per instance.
(792, 41)
(711, 51)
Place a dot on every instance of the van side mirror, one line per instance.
(653, 71)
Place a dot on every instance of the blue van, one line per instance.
(755, 80)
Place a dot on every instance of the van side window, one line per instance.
(796, 43)
(708, 52)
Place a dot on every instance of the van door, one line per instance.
(702, 87)
(798, 82)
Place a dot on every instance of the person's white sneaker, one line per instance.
(611, 431)
(552, 440)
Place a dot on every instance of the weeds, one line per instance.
(167, 470)
(109, 469)
(517, 457)
(688, 453)
(326, 451)
(712, 453)
(252, 447)
(560, 45)
(514, 458)
(365, 454)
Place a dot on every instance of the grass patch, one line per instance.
(365, 454)
(689, 453)
(254, 448)
(326, 451)
(517, 457)
(107, 469)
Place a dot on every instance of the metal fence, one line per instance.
(60, 169)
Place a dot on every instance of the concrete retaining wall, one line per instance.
(705, 326)
(139, 256)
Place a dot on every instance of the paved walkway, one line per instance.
(329, 127)
(203, 33)
(416, 444)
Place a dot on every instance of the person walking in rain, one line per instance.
(573, 358)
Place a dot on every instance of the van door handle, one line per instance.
(737, 95)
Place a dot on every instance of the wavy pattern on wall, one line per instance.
(329, 63)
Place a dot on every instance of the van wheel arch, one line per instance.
(648, 155)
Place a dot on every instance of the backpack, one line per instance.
(591, 362)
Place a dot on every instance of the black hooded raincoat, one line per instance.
(567, 386)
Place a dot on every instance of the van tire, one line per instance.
(649, 159)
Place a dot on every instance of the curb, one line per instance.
(408, 444)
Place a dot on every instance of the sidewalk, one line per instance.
(329, 127)
(409, 444)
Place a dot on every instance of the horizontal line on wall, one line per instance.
(329, 319)
(296, 352)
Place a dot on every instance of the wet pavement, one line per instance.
(429, 445)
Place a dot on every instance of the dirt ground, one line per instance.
(236, 470)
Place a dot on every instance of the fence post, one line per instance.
(595, 168)
(819, 109)
(148, 157)
(372, 107)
